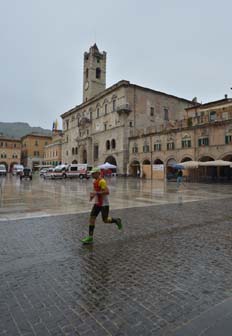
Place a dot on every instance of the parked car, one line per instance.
(48, 174)
(3, 170)
(26, 174)
(59, 171)
(43, 171)
(17, 169)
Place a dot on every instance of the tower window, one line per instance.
(107, 144)
(166, 117)
(113, 143)
(87, 73)
(98, 73)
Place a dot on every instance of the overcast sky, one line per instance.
(180, 47)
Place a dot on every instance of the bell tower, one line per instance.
(94, 73)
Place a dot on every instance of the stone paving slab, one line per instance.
(170, 264)
(214, 322)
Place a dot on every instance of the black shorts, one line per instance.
(96, 209)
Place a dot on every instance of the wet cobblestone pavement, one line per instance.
(170, 264)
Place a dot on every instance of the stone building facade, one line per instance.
(204, 134)
(33, 149)
(98, 130)
(53, 151)
(10, 151)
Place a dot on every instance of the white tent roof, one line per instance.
(107, 165)
(216, 163)
(189, 164)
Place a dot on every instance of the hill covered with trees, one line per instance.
(19, 129)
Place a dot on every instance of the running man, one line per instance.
(101, 204)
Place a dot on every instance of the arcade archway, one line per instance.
(186, 159)
(134, 169)
(111, 159)
(207, 173)
(170, 171)
(225, 173)
(158, 162)
(147, 169)
(5, 164)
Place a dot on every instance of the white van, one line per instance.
(3, 170)
(59, 171)
(17, 169)
(81, 170)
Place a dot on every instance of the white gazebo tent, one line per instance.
(107, 165)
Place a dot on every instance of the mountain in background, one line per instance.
(19, 129)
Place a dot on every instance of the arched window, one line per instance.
(73, 151)
(107, 144)
(113, 143)
(98, 73)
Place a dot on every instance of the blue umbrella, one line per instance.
(177, 166)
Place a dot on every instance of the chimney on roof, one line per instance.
(226, 96)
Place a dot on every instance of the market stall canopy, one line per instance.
(190, 164)
(216, 163)
(107, 165)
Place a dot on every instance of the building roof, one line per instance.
(114, 87)
(212, 103)
(37, 135)
(7, 138)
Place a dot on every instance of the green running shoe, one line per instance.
(119, 223)
(87, 240)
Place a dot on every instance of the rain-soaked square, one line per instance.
(171, 264)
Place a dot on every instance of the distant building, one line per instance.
(204, 134)
(10, 151)
(33, 145)
(53, 151)
(98, 130)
